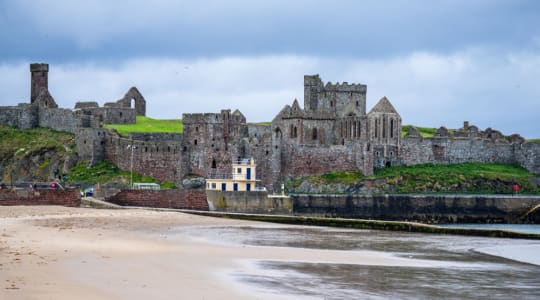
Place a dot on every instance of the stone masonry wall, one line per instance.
(528, 156)
(309, 160)
(422, 208)
(23, 116)
(40, 197)
(61, 119)
(178, 199)
(456, 150)
(256, 202)
(159, 159)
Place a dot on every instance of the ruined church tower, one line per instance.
(40, 74)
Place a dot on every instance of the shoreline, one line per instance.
(370, 224)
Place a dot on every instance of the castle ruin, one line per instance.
(331, 132)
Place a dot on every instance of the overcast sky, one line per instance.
(439, 62)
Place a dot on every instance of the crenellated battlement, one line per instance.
(345, 87)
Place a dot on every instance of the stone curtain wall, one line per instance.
(421, 208)
(457, 150)
(178, 199)
(62, 119)
(159, 159)
(23, 116)
(306, 160)
(40, 197)
(528, 156)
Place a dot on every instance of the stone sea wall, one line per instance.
(257, 202)
(421, 208)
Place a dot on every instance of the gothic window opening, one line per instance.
(214, 164)
(391, 128)
(295, 132)
(376, 128)
(278, 133)
(120, 114)
(384, 129)
(197, 129)
(291, 134)
(195, 142)
(314, 134)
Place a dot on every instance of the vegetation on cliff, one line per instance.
(426, 178)
(146, 124)
(33, 154)
(107, 173)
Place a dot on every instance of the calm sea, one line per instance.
(473, 267)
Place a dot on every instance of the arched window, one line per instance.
(291, 133)
(195, 142)
(295, 132)
(314, 133)
(391, 128)
(214, 164)
(376, 127)
(383, 128)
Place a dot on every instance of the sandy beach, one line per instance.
(50, 252)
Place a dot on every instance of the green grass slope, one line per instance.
(146, 124)
(429, 178)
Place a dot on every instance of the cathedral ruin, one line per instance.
(332, 131)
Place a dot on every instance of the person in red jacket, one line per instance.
(516, 189)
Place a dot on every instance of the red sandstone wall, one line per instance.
(180, 199)
(303, 161)
(40, 197)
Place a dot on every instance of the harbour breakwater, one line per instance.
(424, 208)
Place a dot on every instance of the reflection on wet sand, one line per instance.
(460, 271)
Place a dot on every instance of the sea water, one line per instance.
(473, 267)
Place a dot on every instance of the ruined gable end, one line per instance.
(133, 94)
(384, 106)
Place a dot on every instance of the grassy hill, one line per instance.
(146, 124)
(452, 178)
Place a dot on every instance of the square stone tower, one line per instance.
(40, 74)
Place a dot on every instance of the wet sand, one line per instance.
(52, 252)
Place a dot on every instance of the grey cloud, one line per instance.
(95, 30)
